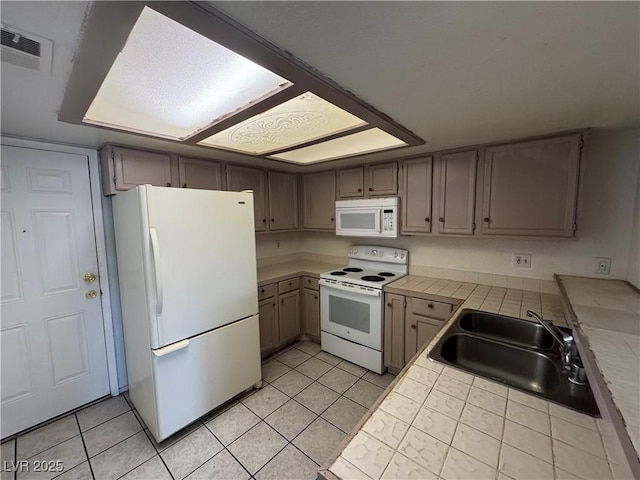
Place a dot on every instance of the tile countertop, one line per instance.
(439, 422)
(607, 313)
(280, 271)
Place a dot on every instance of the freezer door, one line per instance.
(202, 373)
(203, 257)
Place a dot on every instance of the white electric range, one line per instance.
(351, 304)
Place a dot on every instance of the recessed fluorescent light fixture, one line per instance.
(300, 120)
(368, 141)
(170, 81)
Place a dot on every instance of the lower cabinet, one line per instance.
(288, 309)
(267, 312)
(289, 316)
(311, 312)
(409, 324)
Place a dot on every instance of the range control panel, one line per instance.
(380, 254)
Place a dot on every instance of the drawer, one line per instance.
(310, 282)
(288, 285)
(429, 308)
(266, 291)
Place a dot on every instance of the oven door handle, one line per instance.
(356, 289)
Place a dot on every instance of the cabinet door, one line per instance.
(311, 309)
(242, 178)
(137, 167)
(419, 330)
(457, 192)
(268, 324)
(202, 174)
(530, 188)
(416, 195)
(351, 182)
(394, 313)
(289, 316)
(283, 201)
(382, 179)
(319, 201)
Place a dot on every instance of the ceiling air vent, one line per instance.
(26, 50)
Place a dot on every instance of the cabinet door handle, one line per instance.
(264, 220)
(315, 297)
(281, 301)
(413, 325)
(184, 185)
(168, 184)
(441, 219)
(427, 219)
(332, 219)
(262, 291)
(389, 304)
(486, 219)
(359, 190)
(272, 220)
(290, 283)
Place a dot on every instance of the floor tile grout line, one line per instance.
(106, 421)
(84, 445)
(148, 435)
(224, 448)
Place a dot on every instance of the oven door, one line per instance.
(352, 313)
(358, 222)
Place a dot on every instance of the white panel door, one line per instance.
(51, 335)
(206, 257)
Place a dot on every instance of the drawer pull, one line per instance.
(370, 189)
(486, 219)
(315, 297)
(290, 283)
(413, 325)
(430, 305)
(262, 291)
(389, 304)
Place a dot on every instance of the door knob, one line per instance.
(89, 277)
(91, 294)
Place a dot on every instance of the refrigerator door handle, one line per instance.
(155, 247)
(159, 352)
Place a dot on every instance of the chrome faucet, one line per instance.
(566, 341)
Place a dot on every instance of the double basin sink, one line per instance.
(515, 352)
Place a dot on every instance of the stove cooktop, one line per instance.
(360, 276)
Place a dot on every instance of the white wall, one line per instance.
(605, 219)
(633, 275)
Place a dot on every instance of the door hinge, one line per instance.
(575, 227)
(581, 143)
(113, 159)
(473, 227)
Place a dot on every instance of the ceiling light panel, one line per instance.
(172, 82)
(299, 120)
(372, 140)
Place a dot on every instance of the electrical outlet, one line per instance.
(603, 265)
(522, 260)
(277, 243)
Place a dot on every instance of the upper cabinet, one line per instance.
(416, 195)
(382, 179)
(125, 168)
(351, 182)
(283, 201)
(244, 178)
(457, 192)
(368, 181)
(319, 201)
(530, 188)
(202, 174)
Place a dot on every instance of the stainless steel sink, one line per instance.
(498, 327)
(514, 352)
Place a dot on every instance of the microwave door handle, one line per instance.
(379, 221)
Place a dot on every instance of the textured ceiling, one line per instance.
(456, 73)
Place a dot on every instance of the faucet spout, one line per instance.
(564, 339)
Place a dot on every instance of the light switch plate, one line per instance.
(522, 260)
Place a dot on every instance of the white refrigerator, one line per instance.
(188, 286)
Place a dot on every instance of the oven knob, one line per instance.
(395, 254)
(355, 250)
(402, 255)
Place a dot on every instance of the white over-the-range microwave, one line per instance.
(372, 217)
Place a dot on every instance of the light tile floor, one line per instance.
(286, 430)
